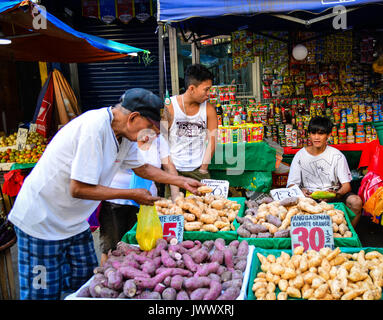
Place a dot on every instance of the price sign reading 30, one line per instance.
(312, 232)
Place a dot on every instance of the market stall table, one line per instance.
(7, 281)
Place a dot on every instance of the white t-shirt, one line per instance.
(322, 172)
(188, 137)
(85, 149)
(158, 150)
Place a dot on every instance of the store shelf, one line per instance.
(341, 147)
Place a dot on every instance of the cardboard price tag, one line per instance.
(283, 193)
(172, 226)
(32, 127)
(220, 187)
(312, 232)
(21, 140)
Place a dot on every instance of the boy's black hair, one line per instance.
(320, 125)
(195, 74)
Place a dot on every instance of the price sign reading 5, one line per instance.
(172, 226)
(312, 232)
(169, 230)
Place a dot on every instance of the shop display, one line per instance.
(339, 274)
(34, 149)
(189, 270)
(271, 219)
(336, 80)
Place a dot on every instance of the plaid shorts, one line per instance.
(49, 268)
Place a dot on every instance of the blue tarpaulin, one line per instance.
(58, 42)
(175, 11)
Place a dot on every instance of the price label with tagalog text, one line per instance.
(172, 226)
(312, 232)
(220, 187)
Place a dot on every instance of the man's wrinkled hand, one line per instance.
(144, 197)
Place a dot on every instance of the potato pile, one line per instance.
(324, 275)
(189, 270)
(202, 213)
(271, 219)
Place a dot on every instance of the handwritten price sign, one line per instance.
(312, 232)
(172, 226)
(220, 187)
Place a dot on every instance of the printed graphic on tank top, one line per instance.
(187, 137)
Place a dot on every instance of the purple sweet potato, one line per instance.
(187, 244)
(149, 295)
(98, 270)
(274, 220)
(167, 281)
(237, 274)
(234, 243)
(189, 262)
(169, 294)
(176, 271)
(197, 245)
(127, 248)
(282, 234)
(199, 294)
(84, 292)
(226, 276)
(95, 288)
(232, 283)
(160, 287)
(115, 280)
(228, 258)
(200, 255)
(195, 283)
(129, 288)
(208, 244)
(264, 235)
(207, 268)
(182, 295)
(177, 248)
(108, 293)
(243, 232)
(150, 283)
(149, 267)
(243, 249)
(130, 262)
(167, 260)
(131, 272)
(241, 265)
(217, 255)
(214, 291)
(157, 261)
(214, 276)
(221, 270)
(220, 244)
(177, 282)
(230, 294)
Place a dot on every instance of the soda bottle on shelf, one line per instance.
(226, 120)
(218, 109)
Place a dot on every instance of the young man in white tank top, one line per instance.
(191, 125)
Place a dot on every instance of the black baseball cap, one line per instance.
(145, 102)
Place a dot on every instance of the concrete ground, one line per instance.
(370, 235)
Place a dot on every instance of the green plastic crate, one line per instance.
(285, 243)
(256, 265)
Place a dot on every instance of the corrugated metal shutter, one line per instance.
(102, 83)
